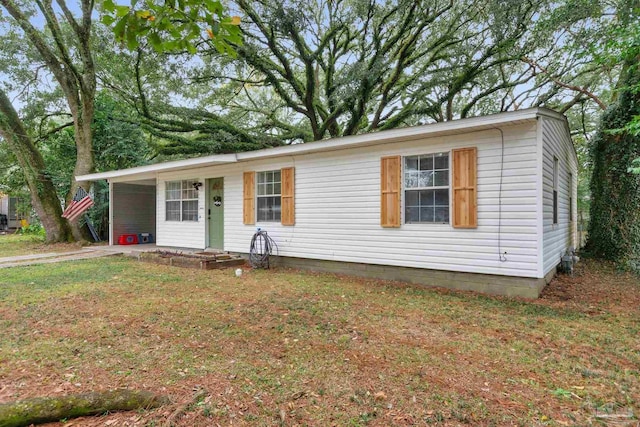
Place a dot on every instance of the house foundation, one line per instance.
(526, 287)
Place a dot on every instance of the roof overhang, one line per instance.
(453, 127)
(150, 171)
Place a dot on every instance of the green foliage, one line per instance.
(630, 50)
(118, 144)
(51, 48)
(170, 26)
(33, 230)
(584, 123)
(309, 70)
(614, 231)
(11, 177)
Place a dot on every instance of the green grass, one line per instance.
(318, 347)
(16, 244)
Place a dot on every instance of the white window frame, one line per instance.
(187, 193)
(264, 187)
(447, 187)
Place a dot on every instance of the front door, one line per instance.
(215, 202)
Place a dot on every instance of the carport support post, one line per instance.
(110, 213)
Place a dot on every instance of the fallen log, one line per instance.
(50, 409)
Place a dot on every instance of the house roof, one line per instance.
(389, 136)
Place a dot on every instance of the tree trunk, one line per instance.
(52, 409)
(614, 227)
(83, 118)
(43, 192)
(75, 73)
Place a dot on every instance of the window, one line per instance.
(426, 184)
(181, 200)
(555, 190)
(269, 202)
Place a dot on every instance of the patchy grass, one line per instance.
(18, 244)
(284, 347)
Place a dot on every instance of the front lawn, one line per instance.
(17, 244)
(283, 347)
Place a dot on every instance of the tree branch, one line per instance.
(558, 82)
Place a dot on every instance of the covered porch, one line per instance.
(132, 209)
(137, 206)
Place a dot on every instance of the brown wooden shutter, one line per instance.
(288, 216)
(249, 198)
(465, 205)
(390, 174)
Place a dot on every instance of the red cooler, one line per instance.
(128, 239)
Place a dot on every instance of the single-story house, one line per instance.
(9, 211)
(484, 203)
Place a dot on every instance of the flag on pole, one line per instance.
(80, 203)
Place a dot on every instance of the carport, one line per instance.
(133, 194)
(132, 208)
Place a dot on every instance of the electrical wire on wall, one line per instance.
(502, 256)
(260, 249)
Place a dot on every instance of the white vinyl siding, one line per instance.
(558, 165)
(181, 234)
(555, 189)
(338, 208)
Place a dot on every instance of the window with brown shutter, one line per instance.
(465, 207)
(248, 205)
(287, 195)
(390, 173)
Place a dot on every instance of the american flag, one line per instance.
(80, 203)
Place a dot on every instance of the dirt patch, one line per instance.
(594, 287)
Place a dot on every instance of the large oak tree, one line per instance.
(309, 70)
(63, 47)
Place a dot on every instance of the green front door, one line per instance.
(215, 202)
